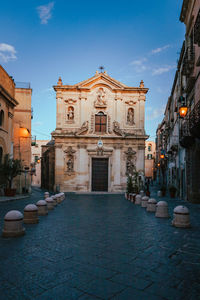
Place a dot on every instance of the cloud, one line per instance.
(7, 52)
(138, 62)
(155, 113)
(162, 70)
(158, 50)
(45, 12)
(139, 65)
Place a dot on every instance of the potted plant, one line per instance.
(129, 188)
(163, 190)
(172, 191)
(9, 168)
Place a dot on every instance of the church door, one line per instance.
(100, 174)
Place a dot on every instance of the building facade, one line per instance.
(7, 104)
(22, 135)
(150, 151)
(178, 137)
(99, 134)
(36, 162)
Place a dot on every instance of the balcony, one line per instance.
(188, 61)
(194, 121)
(186, 140)
(173, 143)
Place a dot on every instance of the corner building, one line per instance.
(99, 134)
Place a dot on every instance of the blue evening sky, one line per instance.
(42, 40)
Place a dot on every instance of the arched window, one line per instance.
(130, 116)
(100, 122)
(149, 147)
(70, 113)
(1, 117)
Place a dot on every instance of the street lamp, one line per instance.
(183, 107)
(183, 111)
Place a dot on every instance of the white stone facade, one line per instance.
(98, 110)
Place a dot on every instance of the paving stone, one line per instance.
(130, 294)
(97, 247)
(133, 281)
(60, 292)
(102, 288)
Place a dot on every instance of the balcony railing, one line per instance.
(188, 61)
(186, 139)
(194, 121)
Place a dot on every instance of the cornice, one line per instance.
(8, 98)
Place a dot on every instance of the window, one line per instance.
(1, 117)
(100, 122)
(149, 156)
(149, 147)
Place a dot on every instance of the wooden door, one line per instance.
(99, 174)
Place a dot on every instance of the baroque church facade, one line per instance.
(99, 135)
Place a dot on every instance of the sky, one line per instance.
(134, 40)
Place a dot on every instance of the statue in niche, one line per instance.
(70, 165)
(100, 102)
(70, 114)
(130, 116)
(131, 160)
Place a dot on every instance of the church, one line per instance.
(99, 134)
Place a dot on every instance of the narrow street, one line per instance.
(100, 247)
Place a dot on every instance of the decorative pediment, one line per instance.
(101, 79)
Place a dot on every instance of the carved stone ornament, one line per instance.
(69, 160)
(100, 101)
(117, 129)
(70, 151)
(83, 128)
(130, 161)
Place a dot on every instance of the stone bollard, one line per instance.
(138, 199)
(46, 195)
(63, 196)
(54, 200)
(31, 214)
(42, 208)
(13, 224)
(133, 198)
(144, 201)
(126, 196)
(162, 209)
(50, 203)
(151, 205)
(142, 193)
(181, 217)
(57, 198)
(159, 193)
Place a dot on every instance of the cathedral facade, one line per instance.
(99, 135)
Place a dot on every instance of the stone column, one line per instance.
(117, 166)
(59, 165)
(141, 111)
(83, 111)
(59, 110)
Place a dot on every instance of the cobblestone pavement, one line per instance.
(100, 247)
